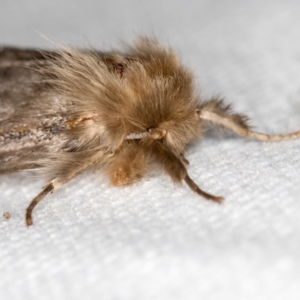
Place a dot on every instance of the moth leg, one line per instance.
(175, 168)
(66, 173)
(28, 216)
(218, 113)
(50, 188)
(129, 165)
(194, 187)
(183, 159)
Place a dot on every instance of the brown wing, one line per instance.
(31, 118)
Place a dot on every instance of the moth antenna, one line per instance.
(28, 217)
(216, 112)
(194, 187)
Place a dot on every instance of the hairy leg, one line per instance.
(62, 174)
(218, 113)
(128, 165)
(175, 168)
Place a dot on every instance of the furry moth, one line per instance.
(66, 111)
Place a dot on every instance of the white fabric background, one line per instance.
(154, 240)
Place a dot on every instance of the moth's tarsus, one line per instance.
(194, 187)
(28, 217)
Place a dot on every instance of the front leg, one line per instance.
(128, 165)
(218, 113)
(64, 170)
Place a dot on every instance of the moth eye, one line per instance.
(157, 133)
(114, 66)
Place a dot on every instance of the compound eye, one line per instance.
(156, 133)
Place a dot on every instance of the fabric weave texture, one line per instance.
(155, 240)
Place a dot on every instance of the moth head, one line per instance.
(162, 103)
(145, 89)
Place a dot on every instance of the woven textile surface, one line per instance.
(155, 240)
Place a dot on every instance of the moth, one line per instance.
(63, 112)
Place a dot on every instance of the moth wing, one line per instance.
(26, 107)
